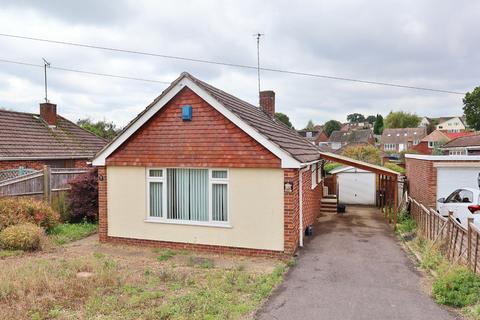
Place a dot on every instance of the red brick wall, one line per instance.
(291, 214)
(102, 204)
(422, 181)
(322, 137)
(423, 148)
(311, 199)
(209, 140)
(37, 164)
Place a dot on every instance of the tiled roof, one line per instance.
(26, 135)
(403, 135)
(468, 141)
(353, 136)
(455, 135)
(436, 135)
(274, 130)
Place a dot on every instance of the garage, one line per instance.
(451, 178)
(355, 186)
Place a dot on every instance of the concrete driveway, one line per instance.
(353, 268)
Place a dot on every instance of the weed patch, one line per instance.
(68, 232)
(166, 255)
(457, 287)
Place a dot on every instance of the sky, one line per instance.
(417, 43)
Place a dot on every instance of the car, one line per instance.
(464, 203)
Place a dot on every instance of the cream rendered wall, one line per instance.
(255, 211)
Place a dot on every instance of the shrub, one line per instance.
(330, 166)
(25, 236)
(394, 167)
(60, 204)
(405, 222)
(83, 199)
(21, 210)
(458, 287)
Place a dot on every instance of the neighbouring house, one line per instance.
(398, 140)
(317, 136)
(451, 124)
(463, 146)
(437, 139)
(428, 144)
(431, 177)
(32, 141)
(425, 122)
(349, 126)
(339, 139)
(201, 169)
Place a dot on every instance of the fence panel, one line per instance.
(42, 182)
(461, 245)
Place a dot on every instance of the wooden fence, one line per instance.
(40, 183)
(461, 245)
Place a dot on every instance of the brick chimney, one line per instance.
(267, 102)
(48, 112)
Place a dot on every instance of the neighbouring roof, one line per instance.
(454, 135)
(277, 133)
(402, 135)
(468, 141)
(27, 136)
(436, 135)
(352, 136)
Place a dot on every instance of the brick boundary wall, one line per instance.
(311, 199)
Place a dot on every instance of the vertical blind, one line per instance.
(188, 195)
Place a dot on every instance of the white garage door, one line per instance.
(356, 188)
(450, 179)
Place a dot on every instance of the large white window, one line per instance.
(188, 195)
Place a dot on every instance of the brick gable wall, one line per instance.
(209, 140)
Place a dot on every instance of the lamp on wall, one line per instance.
(288, 186)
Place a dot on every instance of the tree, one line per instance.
(371, 119)
(471, 108)
(378, 126)
(366, 153)
(355, 118)
(331, 126)
(282, 117)
(310, 125)
(432, 125)
(437, 151)
(103, 129)
(401, 119)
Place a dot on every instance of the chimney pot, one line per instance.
(48, 112)
(267, 102)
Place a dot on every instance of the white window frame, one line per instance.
(431, 144)
(415, 142)
(389, 146)
(211, 181)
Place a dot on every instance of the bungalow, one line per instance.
(201, 169)
(463, 146)
(317, 136)
(31, 141)
(339, 139)
(398, 140)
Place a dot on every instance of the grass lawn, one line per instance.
(103, 281)
(68, 232)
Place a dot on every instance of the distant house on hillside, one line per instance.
(317, 136)
(436, 139)
(463, 146)
(339, 139)
(31, 141)
(451, 124)
(425, 122)
(397, 140)
(350, 126)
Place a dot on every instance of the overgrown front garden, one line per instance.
(452, 284)
(49, 272)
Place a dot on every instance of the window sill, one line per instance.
(190, 223)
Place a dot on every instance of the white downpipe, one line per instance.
(300, 204)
